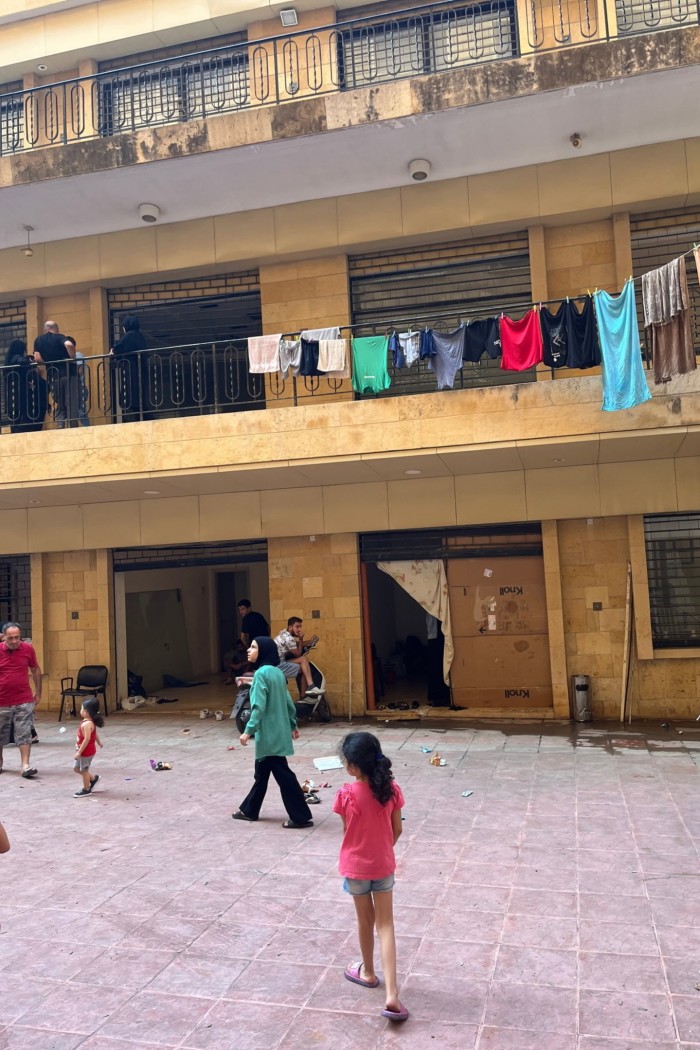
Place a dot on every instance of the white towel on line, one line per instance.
(264, 353)
(315, 335)
(332, 355)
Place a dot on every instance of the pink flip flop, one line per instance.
(353, 974)
(396, 1015)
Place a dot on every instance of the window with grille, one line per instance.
(15, 592)
(426, 42)
(658, 238)
(673, 567)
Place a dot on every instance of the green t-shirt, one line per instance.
(369, 364)
(272, 713)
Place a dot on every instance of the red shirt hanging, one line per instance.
(521, 342)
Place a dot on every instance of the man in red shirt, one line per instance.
(17, 702)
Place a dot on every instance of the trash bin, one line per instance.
(581, 697)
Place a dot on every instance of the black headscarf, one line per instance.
(267, 652)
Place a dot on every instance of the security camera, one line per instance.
(419, 170)
(149, 212)
(575, 140)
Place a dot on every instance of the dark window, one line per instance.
(426, 42)
(673, 568)
(15, 592)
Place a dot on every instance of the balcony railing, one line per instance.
(351, 54)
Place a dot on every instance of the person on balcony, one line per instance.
(131, 372)
(25, 390)
(57, 353)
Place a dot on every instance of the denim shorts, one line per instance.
(361, 887)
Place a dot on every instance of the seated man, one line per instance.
(236, 663)
(293, 660)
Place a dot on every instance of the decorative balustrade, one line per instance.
(351, 54)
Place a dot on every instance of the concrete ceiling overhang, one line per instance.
(610, 115)
(453, 461)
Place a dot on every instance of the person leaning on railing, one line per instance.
(25, 390)
(56, 352)
(130, 368)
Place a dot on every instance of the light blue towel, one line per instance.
(624, 380)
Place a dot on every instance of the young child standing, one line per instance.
(371, 813)
(86, 744)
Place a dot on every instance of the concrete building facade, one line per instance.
(563, 157)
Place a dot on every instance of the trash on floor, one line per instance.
(308, 785)
(466, 794)
(157, 766)
(167, 700)
(186, 730)
(62, 729)
(230, 748)
(427, 750)
(330, 762)
(436, 760)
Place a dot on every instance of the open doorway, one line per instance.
(406, 646)
(176, 617)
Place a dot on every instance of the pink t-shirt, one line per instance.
(367, 851)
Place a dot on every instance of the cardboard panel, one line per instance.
(503, 596)
(508, 662)
(530, 698)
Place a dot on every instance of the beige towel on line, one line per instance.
(264, 354)
(332, 354)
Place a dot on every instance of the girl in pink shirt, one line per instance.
(371, 813)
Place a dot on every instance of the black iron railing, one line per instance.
(351, 54)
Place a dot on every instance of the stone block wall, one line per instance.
(322, 573)
(594, 553)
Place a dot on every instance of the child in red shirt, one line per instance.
(371, 813)
(86, 744)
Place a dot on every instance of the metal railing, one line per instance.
(351, 54)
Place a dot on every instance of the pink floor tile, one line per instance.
(417, 1035)
(150, 1016)
(431, 998)
(200, 975)
(539, 931)
(284, 983)
(17, 1038)
(532, 1007)
(251, 1026)
(687, 1012)
(619, 937)
(327, 1031)
(540, 966)
(84, 1010)
(628, 1015)
(515, 1039)
(624, 973)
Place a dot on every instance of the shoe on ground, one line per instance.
(94, 780)
(82, 793)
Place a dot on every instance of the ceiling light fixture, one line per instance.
(575, 140)
(28, 250)
(151, 492)
(35, 501)
(419, 170)
(289, 18)
(558, 461)
(42, 68)
(412, 473)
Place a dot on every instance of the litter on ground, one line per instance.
(330, 762)
(466, 794)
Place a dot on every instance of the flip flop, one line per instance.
(353, 974)
(396, 1015)
(293, 824)
(29, 773)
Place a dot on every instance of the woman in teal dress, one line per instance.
(273, 723)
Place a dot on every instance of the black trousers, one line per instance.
(290, 789)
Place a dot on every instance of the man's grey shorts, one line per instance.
(289, 669)
(20, 716)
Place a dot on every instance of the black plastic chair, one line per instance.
(92, 681)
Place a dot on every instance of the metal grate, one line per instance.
(180, 557)
(658, 238)
(16, 592)
(441, 287)
(486, 541)
(673, 571)
(13, 324)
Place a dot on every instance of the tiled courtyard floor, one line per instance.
(556, 908)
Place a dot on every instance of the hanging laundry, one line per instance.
(449, 350)
(426, 347)
(405, 348)
(667, 327)
(482, 337)
(521, 342)
(555, 345)
(333, 358)
(582, 335)
(369, 364)
(315, 335)
(624, 382)
(309, 358)
(290, 357)
(264, 354)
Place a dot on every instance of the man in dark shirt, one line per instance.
(253, 625)
(57, 352)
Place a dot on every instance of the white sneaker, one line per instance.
(314, 691)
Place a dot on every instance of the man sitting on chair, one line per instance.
(293, 659)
